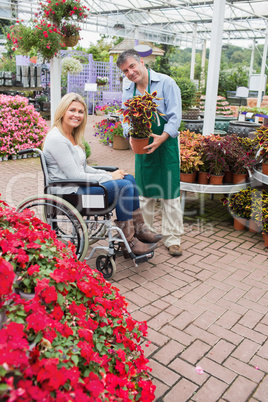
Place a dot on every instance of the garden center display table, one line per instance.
(20, 89)
(210, 189)
(258, 175)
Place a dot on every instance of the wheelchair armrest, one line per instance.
(68, 182)
(79, 183)
(28, 150)
(107, 168)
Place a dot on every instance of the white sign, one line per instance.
(92, 201)
(90, 87)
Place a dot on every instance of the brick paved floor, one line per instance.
(207, 308)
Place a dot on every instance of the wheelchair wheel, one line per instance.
(62, 217)
(106, 265)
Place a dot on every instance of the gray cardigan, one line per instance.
(63, 162)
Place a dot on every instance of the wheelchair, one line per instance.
(81, 219)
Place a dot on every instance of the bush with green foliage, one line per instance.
(188, 92)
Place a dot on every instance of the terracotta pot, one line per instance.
(239, 178)
(228, 177)
(215, 180)
(120, 142)
(203, 178)
(239, 223)
(265, 168)
(188, 177)
(265, 238)
(137, 145)
(253, 227)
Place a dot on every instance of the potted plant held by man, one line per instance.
(139, 112)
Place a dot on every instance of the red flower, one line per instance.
(7, 277)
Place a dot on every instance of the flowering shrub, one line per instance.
(110, 107)
(75, 340)
(102, 130)
(21, 126)
(71, 65)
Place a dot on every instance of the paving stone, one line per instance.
(182, 391)
(240, 390)
(211, 391)
(221, 351)
(208, 307)
(169, 352)
(195, 351)
(243, 369)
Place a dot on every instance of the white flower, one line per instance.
(71, 65)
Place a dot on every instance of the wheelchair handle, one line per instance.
(29, 150)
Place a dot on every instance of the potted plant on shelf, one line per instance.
(189, 165)
(240, 206)
(214, 154)
(190, 158)
(262, 138)
(138, 114)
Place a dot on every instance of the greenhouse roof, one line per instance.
(164, 21)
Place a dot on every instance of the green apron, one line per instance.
(158, 174)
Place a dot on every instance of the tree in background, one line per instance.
(100, 51)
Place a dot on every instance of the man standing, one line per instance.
(158, 171)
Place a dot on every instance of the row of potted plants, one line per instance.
(216, 156)
(66, 333)
(249, 207)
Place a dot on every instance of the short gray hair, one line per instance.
(127, 53)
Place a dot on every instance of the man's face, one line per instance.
(133, 70)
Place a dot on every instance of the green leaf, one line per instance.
(38, 337)
(3, 387)
(60, 286)
(75, 359)
(60, 299)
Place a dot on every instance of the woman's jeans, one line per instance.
(122, 193)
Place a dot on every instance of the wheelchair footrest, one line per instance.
(143, 258)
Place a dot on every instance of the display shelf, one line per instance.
(210, 189)
(259, 176)
(20, 89)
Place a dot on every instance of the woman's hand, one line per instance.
(118, 174)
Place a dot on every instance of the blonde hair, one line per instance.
(65, 102)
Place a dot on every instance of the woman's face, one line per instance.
(73, 116)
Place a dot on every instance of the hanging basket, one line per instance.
(71, 41)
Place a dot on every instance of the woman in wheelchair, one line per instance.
(66, 159)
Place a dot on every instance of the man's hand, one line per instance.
(118, 174)
(158, 140)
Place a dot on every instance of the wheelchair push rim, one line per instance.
(52, 205)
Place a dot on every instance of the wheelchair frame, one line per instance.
(89, 216)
